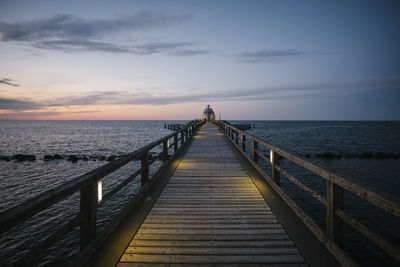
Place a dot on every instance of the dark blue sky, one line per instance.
(317, 60)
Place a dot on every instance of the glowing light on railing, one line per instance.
(271, 156)
(99, 191)
(168, 143)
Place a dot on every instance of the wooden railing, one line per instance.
(331, 238)
(87, 184)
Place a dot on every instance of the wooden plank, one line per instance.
(147, 258)
(164, 231)
(212, 244)
(212, 237)
(133, 264)
(212, 251)
(153, 225)
(211, 194)
(218, 212)
(209, 202)
(207, 190)
(166, 220)
(214, 205)
(211, 216)
(210, 209)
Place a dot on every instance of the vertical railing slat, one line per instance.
(275, 158)
(165, 150)
(144, 164)
(334, 225)
(175, 143)
(88, 207)
(255, 147)
(182, 139)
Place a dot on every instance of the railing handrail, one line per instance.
(333, 201)
(21, 212)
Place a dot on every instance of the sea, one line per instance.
(354, 144)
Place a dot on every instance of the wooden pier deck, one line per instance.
(211, 213)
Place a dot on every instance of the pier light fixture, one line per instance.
(99, 191)
(271, 156)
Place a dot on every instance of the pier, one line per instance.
(208, 203)
(210, 212)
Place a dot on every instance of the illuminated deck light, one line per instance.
(99, 191)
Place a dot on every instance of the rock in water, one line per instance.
(21, 157)
(73, 158)
(111, 158)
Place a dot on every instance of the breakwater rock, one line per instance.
(19, 157)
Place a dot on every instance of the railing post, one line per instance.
(88, 207)
(255, 147)
(243, 142)
(275, 158)
(334, 225)
(237, 137)
(175, 142)
(165, 150)
(144, 164)
(182, 139)
(186, 133)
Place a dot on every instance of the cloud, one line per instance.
(319, 90)
(82, 45)
(269, 56)
(8, 82)
(65, 26)
(188, 52)
(15, 104)
(68, 33)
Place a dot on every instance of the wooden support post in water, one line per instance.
(165, 150)
(144, 162)
(243, 142)
(255, 147)
(175, 142)
(275, 158)
(88, 207)
(334, 225)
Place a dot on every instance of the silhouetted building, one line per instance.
(208, 114)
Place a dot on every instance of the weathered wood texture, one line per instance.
(211, 213)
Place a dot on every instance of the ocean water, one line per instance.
(309, 138)
(20, 181)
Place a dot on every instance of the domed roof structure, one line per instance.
(208, 114)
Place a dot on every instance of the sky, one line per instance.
(166, 60)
